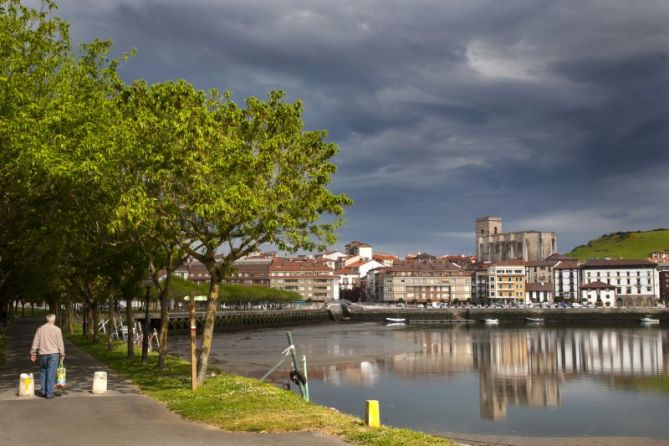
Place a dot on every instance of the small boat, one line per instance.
(396, 320)
(534, 320)
(491, 321)
(649, 320)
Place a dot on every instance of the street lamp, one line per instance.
(147, 322)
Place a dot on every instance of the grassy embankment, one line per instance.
(236, 403)
(626, 245)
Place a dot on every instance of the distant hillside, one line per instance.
(626, 245)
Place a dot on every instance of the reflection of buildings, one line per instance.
(521, 366)
(516, 367)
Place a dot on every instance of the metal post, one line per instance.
(294, 358)
(193, 341)
(306, 378)
(146, 331)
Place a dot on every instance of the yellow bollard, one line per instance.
(372, 417)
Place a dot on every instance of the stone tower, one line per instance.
(488, 226)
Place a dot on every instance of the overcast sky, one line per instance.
(553, 115)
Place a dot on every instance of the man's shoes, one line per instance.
(49, 396)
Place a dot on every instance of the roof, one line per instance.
(622, 263)
(539, 286)
(567, 264)
(298, 265)
(598, 285)
(508, 263)
(542, 263)
(557, 256)
(384, 257)
(424, 266)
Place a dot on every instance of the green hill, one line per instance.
(626, 245)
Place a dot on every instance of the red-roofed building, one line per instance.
(311, 278)
(599, 293)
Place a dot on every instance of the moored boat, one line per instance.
(534, 320)
(491, 321)
(396, 320)
(649, 320)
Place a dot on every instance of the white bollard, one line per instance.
(26, 384)
(99, 382)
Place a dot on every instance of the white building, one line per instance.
(356, 248)
(566, 280)
(598, 293)
(636, 282)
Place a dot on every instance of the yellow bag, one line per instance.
(61, 375)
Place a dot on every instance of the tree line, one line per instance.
(106, 183)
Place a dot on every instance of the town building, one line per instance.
(480, 284)
(566, 280)
(313, 279)
(599, 294)
(663, 274)
(659, 256)
(506, 282)
(540, 271)
(636, 282)
(385, 259)
(493, 245)
(425, 281)
(356, 248)
(539, 292)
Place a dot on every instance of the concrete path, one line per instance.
(120, 417)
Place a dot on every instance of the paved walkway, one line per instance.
(122, 416)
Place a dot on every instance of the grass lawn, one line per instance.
(627, 245)
(236, 403)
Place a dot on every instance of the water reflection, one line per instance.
(515, 366)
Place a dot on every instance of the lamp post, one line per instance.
(147, 322)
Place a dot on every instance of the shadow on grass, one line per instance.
(238, 403)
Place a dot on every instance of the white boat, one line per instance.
(396, 320)
(534, 320)
(649, 320)
(491, 321)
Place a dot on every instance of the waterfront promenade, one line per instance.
(122, 416)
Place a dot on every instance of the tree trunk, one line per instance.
(69, 323)
(110, 324)
(208, 332)
(164, 322)
(131, 329)
(96, 321)
(90, 322)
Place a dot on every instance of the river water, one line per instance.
(518, 381)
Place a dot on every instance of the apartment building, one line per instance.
(423, 281)
(636, 282)
(506, 282)
(313, 279)
(566, 280)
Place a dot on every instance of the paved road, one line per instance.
(120, 417)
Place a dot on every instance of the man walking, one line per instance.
(48, 342)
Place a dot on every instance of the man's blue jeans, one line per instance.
(47, 373)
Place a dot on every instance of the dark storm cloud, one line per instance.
(550, 114)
